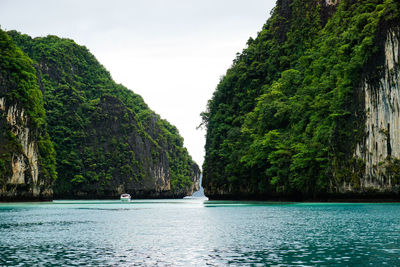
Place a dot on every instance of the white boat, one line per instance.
(125, 197)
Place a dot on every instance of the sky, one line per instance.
(171, 52)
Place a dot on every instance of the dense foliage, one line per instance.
(104, 134)
(283, 119)
(18, 86)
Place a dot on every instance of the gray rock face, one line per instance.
(381, 143)
(24, 181)
(152, 177)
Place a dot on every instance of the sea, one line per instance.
(197, 232)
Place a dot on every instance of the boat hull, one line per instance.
(125, 197)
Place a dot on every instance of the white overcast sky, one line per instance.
(171, 52)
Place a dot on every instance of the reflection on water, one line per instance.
(197, 233)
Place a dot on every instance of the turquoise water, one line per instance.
(193, 233)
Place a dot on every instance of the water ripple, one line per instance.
(174, 233)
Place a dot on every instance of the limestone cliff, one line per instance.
(150, 175)
(106, 138)
(310, 109)
(23, 175)
(380, 96)
(23, 181)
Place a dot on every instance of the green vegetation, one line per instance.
(18, 86)
(103, 133)
(283, 119)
